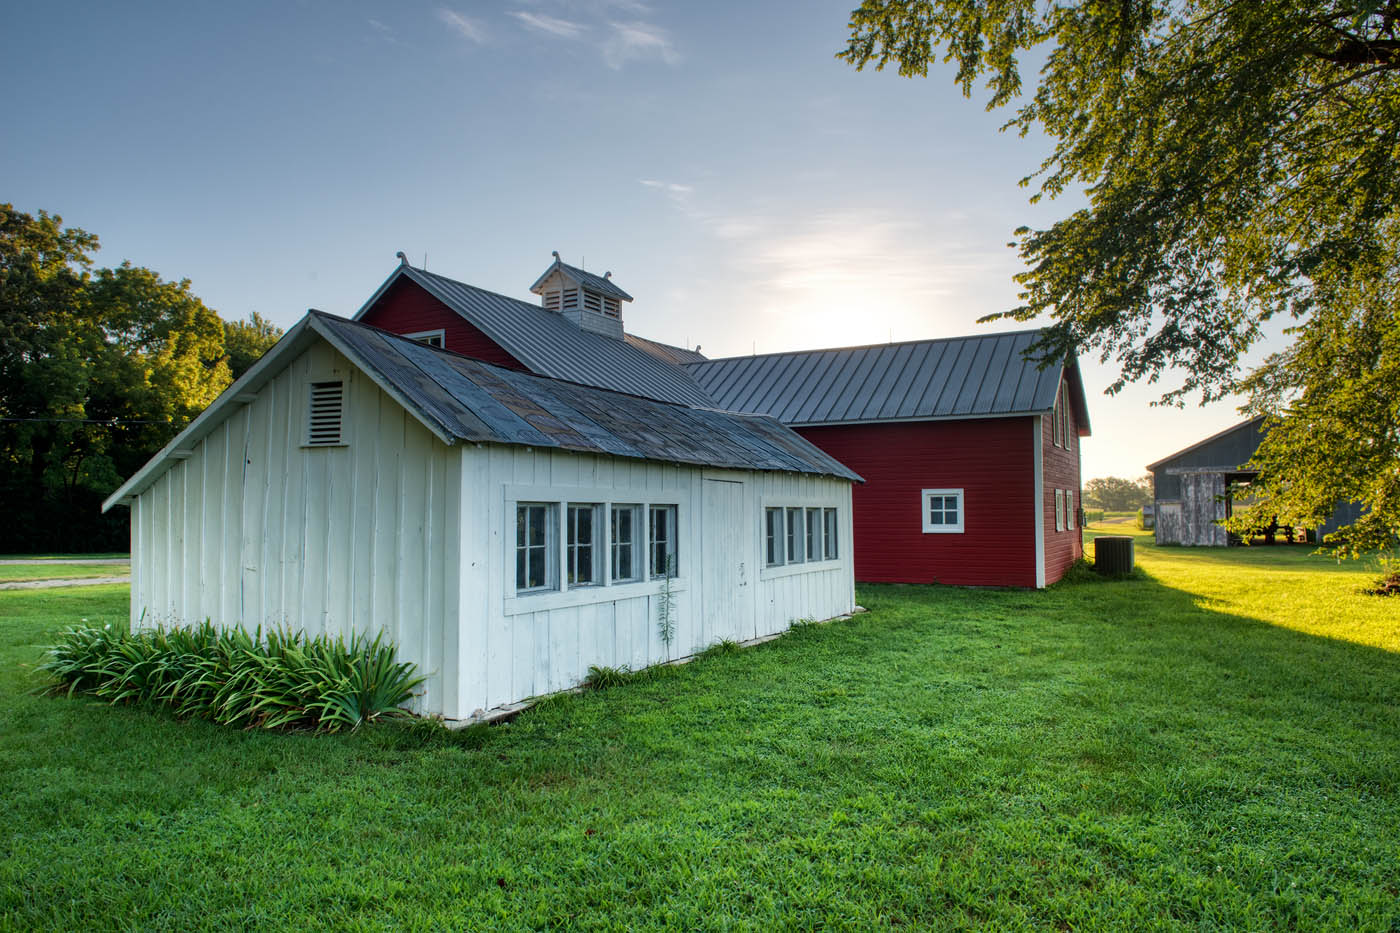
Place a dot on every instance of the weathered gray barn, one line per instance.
(1191, 488)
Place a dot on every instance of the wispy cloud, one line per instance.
(670, 187)
(385, 32)
(467, 27)
(550, 25)
(638, 41)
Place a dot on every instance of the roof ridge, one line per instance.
(869, 346)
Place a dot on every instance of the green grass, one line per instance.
(1213, 745)
(98, 556)
(10, 573)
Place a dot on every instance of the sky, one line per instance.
(753, 193)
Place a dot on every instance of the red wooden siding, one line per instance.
(989, 459)
(1060, 467)
(407, 309)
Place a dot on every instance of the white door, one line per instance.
(724, 581)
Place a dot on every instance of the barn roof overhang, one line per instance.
(460, 399)
(1152, 467)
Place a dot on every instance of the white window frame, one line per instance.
(831, 533)
(551, 546)
(638, 559)
(931, 529)
(1059, 510)
(779, 536)
(1069, 509)
(424, 336)
(559, 595)
(597, 561)
(672, 545)
(799, 506)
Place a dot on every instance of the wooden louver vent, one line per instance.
(327, 414)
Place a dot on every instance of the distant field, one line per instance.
(1214, 744)
(58, 571)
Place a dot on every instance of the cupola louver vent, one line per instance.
(327, 414)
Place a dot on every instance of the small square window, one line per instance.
(943, 511)
(433, 338)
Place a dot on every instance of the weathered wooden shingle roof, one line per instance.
(986, 375)
(550, 345)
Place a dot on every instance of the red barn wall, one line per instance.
(1060, 467)
(407, 309)
(991, 460)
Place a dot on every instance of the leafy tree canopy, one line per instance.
(1116, 494)
(1240, 164)
(98, 370)
(246, 341)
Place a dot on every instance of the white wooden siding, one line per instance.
(255, 528)
(509, 652)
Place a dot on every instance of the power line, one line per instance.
(114, 422)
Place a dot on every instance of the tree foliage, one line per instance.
(1116, 494)
(246, 341)
(98, 370)
(1240, 164)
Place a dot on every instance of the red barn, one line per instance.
(970, 453)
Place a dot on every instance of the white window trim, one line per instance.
(1069, 509)
(787, 569)
(561, 595)
(1059, 510)
(930, 529)
(423, 335)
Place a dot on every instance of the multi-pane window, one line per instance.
(814, 534)
(1069, 509)
(1059, 510)
(582, 550)
(796, 536)
(943, 510)
(626, 527)
(773, 537)
(535, 547)
(661, 532)
(829, 534)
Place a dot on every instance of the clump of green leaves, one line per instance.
(1388, 583)
(602, 677)
(276, 680)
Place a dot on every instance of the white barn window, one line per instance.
(535, 546)
(814, 534)
(773, 537)
(829, 534)
(796, 536)
(625, 528)
(943, 511)
(433, 338)
(661, 529)
(1059, 510)
(583, 550)
(1069, 509)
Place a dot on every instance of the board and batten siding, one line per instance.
(255, 528)
(514, 647)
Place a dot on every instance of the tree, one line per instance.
(1115, 494)
(1239, 161)
(246, 341)
(98, 370)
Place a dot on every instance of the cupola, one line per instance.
(591, 302)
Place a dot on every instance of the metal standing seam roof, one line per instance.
(474, 401)
(958, 377)
(550, 345)
(671, 354)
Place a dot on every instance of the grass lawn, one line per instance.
(59, 557)
(1216, 744)
(56, 570)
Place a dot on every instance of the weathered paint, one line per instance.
(513, 647)
(255, 528)
(406, 308)
(991, 460)
(397, 531)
